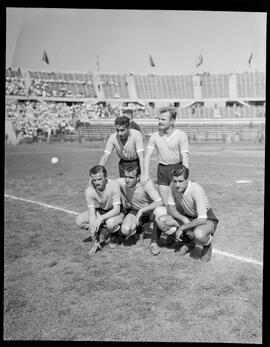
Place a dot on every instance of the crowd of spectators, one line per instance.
(33, 119)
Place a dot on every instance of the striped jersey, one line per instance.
(128, 151)
(169, 148)
(110, 196)
(193, 202)
(138, 196)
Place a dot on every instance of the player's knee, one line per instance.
(125, 229)
(162, 222)
(79, 221)
(200, 235)
(110, 224)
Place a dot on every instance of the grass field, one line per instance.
(54, 291)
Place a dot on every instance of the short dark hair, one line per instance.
(128, 111)
(133, 166)
(122, 120)
(172, 110)
(98, 169)
(181, 170)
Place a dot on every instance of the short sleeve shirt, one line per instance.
(106, 199)
(130, 150)
(169, 148)
(138, 196)
(193, 202)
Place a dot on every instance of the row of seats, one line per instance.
(150, 86)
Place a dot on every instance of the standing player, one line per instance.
(172, 149)
(103, 197)
(128, 144)
(141, 204)
(129, 113)
(189, 214)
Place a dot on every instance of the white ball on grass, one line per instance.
(54, 160)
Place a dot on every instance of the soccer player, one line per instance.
(129, 113)
(189, 214)
(128, 144)
(172, 149)
(141, 204)
(103, 197)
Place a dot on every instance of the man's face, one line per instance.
(131, 178)
(164, 120)
(99, 181)
(180, 183)
(122, 132)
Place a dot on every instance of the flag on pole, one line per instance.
(45, 57)
(199, 61)
(250, 58)
(97, 63)
(151, 61)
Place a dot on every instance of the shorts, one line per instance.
(210, 216)
(164, 173)
(125, 163)
(143, 219)
(146, 218)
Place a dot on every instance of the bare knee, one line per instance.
(125, 229)
(201, 236)
(80, 222)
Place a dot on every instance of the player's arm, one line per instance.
(154, 195)
(115, 211)
(116, 201)
(201, 206)
(140, 151)
(147, 159)
(184, 149)
(185, 159)
(107, 151)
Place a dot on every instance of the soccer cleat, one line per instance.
(206, 253)
(154, 248)
(186, 248)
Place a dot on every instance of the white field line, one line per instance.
(226, 254)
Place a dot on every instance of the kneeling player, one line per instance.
(189, 214)
(141, 203)
(103, 198)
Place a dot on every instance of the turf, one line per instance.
(54, 291)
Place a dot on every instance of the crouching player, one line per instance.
(103, 199)
(141, 203)
(189, 214)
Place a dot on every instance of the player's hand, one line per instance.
(178, 234)
(138, 216)
(144, 179)
(95, 225)
(185, 220)
(94, 248)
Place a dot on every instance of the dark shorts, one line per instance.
(164, 173)
(210, 216)
(143, 219)
(125, 163)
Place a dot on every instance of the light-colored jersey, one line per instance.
(128, 151)
(193, 202)
(138, 196)
(169, 148)
(110, 196)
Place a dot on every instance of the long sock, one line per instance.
(156, 232)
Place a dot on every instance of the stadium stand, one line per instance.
(72, 106)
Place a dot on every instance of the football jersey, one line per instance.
(105, 199)
(128, 151)
(169, 148)
(193, 202)
(138, 196)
